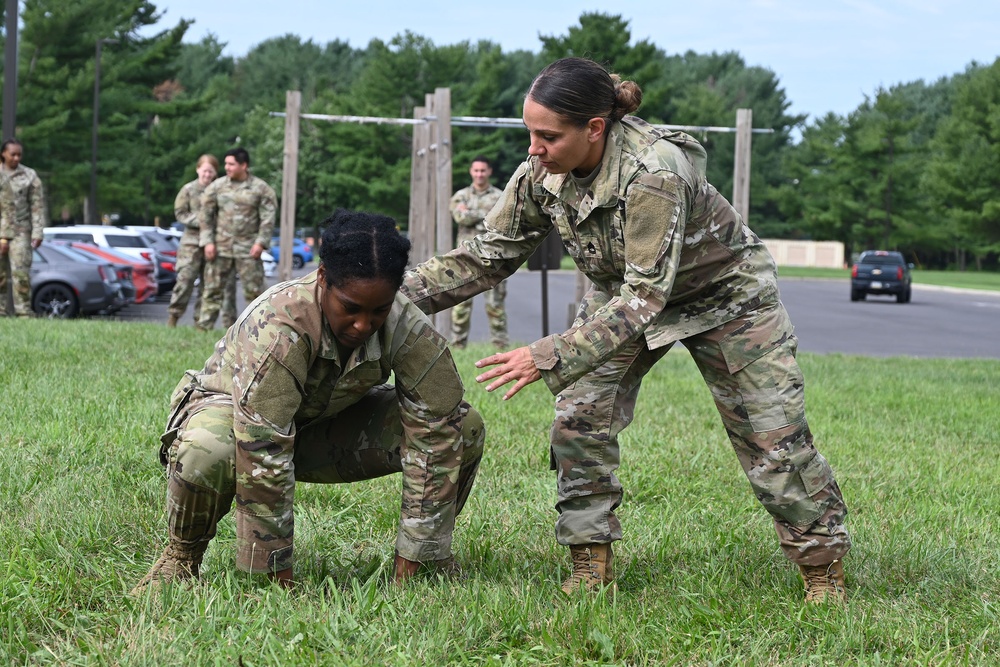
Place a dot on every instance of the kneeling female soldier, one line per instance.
(295, 392)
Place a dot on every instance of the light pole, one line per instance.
(9, 126)
(92, 202)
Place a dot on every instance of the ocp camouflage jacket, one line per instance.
(668, 255)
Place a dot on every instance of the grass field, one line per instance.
(701, 578)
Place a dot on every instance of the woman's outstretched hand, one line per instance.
(515, 366)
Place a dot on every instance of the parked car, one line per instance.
(302, 254)
(881, 272)
(166, 247)
(124, 240)
(172, 236)
(64, 284)
(122, 269)
(143, 272)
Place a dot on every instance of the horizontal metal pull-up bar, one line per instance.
(481, 121)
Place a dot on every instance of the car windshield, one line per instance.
(158, 241)
(74, 236)
(77, 254)
(71, 254)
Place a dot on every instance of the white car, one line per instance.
(123, 240)
(131, 242)
(270, 266)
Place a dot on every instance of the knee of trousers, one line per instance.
(201, 480)
(204, 452)
(473, 433)
(796, 494)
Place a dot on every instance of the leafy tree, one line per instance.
(56, 84)
(287, 63)
(881, 171)
(964, 171)
(813, 198)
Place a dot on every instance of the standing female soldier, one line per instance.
(24, 217)
(190, 256)
(296, 392)
(670, 260)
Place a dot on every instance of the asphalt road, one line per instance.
(937, 323)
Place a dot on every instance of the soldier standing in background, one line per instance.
(237, 219)
(469, 207)
(190, 256)
(22, 200)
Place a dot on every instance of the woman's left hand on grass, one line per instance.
(515, 366)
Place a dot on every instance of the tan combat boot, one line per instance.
(171, 320)
(178, 563)
(824, 583)
(592, 568)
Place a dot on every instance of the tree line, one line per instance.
(915, 168)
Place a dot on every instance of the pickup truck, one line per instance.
(881, 272)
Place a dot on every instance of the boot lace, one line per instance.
(821, 583)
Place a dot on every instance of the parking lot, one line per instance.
(937, 323)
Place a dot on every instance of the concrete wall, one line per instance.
(825, 254)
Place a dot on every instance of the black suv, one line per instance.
(881, 272)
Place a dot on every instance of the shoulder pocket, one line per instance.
(653, 206)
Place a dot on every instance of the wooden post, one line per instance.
(439, 320)
(286, 238)
(741, 163)
(420, 192)
(442, 111)
(442, 190)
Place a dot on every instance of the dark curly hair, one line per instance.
(356, 245)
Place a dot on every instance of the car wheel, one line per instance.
(857, 295)
(908, 294)
(55, 301)
(298, 262)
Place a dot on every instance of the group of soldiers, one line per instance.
(234, 216)
(228, 223)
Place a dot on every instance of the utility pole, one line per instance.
(92, 209)
(9, 128)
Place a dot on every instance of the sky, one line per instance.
(827, 55)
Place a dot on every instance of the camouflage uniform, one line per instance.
(190, 256)
(191, 260)
(24, 217)
(274, 406)
(470, 224)
(234, 216)
(670, 260)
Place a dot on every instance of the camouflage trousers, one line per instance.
(461, 317)
(749, 366)
(15, 269)
(217, 274)
(191, 267)
(199, 453)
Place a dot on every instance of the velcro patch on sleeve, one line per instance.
(653, 206)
